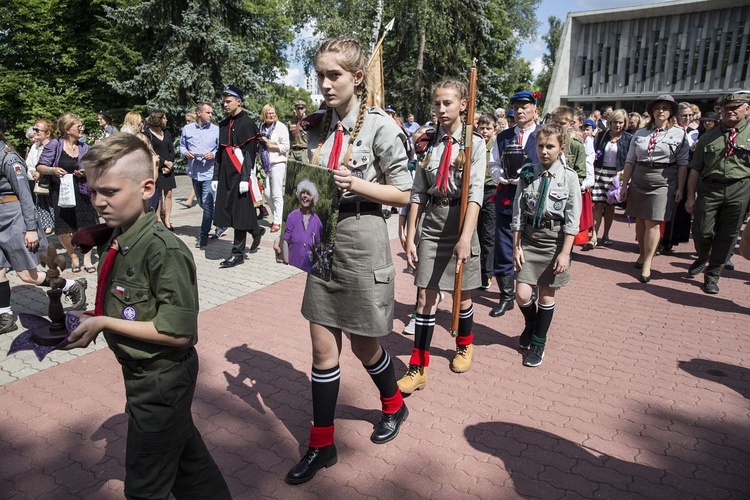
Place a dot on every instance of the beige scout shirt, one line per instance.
(378, 153)
(671, 147)
(563, 200)
(425, 179)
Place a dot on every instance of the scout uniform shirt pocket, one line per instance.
(359, 161)
(529, 200)
(556, 202)
(713, 152)
(131, 302)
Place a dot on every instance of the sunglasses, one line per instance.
(37, 130)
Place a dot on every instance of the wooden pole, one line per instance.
(465, 183)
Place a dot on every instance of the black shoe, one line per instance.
(8, 323)
(234, 260)
(256, 240)
(389, 425)
(534, 357)
(638, 265)
(710, 286)
(314, 460)
(644, 279)
(77, 294)
(201, 242)
(697, 267)
(506, 304)
(729, 266)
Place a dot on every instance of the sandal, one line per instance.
(275, 228)
(76, 269)
(90, 270)
(606, 242)
(590, 245)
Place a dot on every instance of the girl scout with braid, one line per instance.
(546, 213)
(364, 148)
(436, 194)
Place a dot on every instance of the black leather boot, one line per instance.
(314, 460)
(389, 425)
(507, 296)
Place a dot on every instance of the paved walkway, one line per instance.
(643, 394)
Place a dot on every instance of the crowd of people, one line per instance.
(537, 186)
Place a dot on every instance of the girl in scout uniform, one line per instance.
(364, 148)
(546, 214)
(436, 194)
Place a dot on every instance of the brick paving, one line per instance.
(643, 393)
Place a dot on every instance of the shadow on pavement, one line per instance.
(685, 298)
(735, 377)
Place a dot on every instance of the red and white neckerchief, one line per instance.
(104, 272)
(445, 165)
(338, 141)
(731, 143)
(652, 141)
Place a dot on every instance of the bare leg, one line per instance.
(650, 242)
(598, 211)
(428, 300)
(326, 346)
(639, 230)
(65, 241)
(609, 217)
(168, 207)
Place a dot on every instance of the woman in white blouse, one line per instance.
(274, 148)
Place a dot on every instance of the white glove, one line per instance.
(244, 187)
(214, 186)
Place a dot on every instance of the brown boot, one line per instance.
(414, 379)
(462, 360)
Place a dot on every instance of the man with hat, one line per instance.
(297, 132)
(719, 188)
(709, 121)
(523, 134)
(238, 143)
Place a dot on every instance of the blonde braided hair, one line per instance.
(352, 58)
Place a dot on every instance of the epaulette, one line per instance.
(376, 111)
(170, 240)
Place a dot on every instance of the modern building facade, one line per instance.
(695, 50)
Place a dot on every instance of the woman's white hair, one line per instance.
(307, 185)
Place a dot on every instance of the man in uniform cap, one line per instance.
(297, 133)
(238, 143)
(523, 105)
(719, 188)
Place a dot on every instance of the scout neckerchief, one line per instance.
(652, 141)
(445, 165)
(731, 143)
(338, 141)
(104, 272)
(541, 204)
(230, 147)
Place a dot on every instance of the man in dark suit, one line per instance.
(523, 135)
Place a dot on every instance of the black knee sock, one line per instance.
(384, 375)
(4, 294)
(529, 314)
(466, 321)
(543, 320)
(325, 392)
(424, 326)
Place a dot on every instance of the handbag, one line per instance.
(39, 188)
(67, 197)
(43, 182)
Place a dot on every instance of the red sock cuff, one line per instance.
(419, 357)
(392, 404)
(465, 340)
(322, 436)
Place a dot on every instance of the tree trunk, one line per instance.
(376, 23)
(417, 104)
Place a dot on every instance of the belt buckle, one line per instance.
(444, 202)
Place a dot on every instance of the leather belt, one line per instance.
(444, 201)
(147, 365)
(7, 198)
(649, 164)
(709, 180)
(547, 224)
(360, 208)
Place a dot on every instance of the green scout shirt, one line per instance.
(710, 160)
(488, 182)
(575, 156)
(153, 279)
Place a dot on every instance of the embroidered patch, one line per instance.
(358, 173)
(129, 313)
(131, 271)
(18, 169)
(558, 205)
(531, 203)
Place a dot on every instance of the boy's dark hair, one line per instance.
(486, 119)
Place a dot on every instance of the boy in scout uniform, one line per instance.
(719, 188)
(147, 308)
(297, 133)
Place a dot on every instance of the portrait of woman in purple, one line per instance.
(303, 229)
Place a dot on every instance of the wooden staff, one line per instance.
(466, 182)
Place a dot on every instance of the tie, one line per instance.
(104, 272)
(541, 201)
(732, 142)
(445, 165)
(333, 160)
(652, 142)
(520, 138)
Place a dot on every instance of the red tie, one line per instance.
(333, 160)
(652, 142)
(445, 166)
(104, 272)
(732, 142)
(520, 138)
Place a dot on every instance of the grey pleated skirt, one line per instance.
(540, 249)
(13, 251)
(359, 297)
(436, 267)
(651, 193)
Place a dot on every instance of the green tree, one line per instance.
(552, 40)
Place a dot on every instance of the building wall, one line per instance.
(694, 50)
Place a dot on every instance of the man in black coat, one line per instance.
(238, 144)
